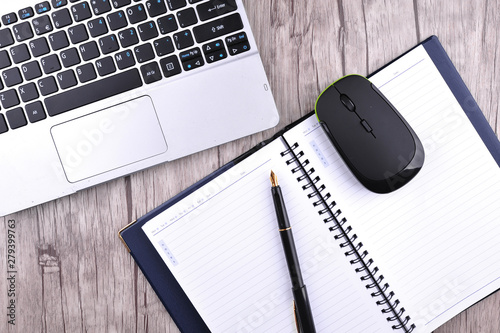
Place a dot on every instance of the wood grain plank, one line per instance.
(469, 33)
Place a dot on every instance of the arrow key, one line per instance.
(216, 56)
(192, 64)
(212, 47)
(239, 48)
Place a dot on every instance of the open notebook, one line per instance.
(431, 246)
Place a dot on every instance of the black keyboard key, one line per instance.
(117, 20)
(61, 18)
(238, 48)
(47, 85)
(9, 98)
(3, 125)
(156, 7)
(20, 53)
(6, 38)
(183, 39)
(191, 59)
(81, 11)
(93, 92)
(193, 64)
(42, 7)
(100, 6)
(16, 118)
(124, 59)
(105, 66)
(108, 44)
(170, 66)
(97, 27)
(35, 112)
(213, 8)
(120, 3)
(164, 46)
(176, 4)
(86, 73)
(9, 18)
(144, 53)
(136, 14)
(12, 76)
(212, 46)
(4, 59)
(70, 57)
(50, 64)
(59, 3)
(42, 25)
(236, 39)
(214, 51)
(151, 72)
(26, 13)
(217, 28)
(167, 24)
(216, 56)
(39, 47)
(28, 92)
(22, 31)
(31, 70)
(187, 17)
(89, 51)
(147, 31)
(190, 54)
(66, 79)
(195, 1)
(128, 37)
(78, 34)
(58, 40)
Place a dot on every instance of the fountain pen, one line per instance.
(302, 308)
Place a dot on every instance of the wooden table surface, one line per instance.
(74, 274)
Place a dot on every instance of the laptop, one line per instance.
(92, 90)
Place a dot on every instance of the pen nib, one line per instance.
(274, 179)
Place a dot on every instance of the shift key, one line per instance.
(217, 28)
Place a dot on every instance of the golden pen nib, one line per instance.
(274, 179)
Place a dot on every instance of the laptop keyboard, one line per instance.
(60, 55)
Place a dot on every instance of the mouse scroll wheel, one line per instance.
(348, 103)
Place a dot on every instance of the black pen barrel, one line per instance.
(292, 258)
(304, 313)
(302, 307)
(279, 207)
(287, 240)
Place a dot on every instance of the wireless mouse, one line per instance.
(373, 139)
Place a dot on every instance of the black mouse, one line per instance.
(373, 139)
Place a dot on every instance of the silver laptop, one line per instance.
(92, 90)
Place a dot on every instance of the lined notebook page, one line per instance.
(222, 245)
(436, 240)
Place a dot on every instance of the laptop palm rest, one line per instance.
(109, 139)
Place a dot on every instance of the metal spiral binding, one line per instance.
(348, 240)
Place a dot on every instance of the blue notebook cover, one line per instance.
(159, 276)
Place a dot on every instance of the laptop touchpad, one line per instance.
(109, 139)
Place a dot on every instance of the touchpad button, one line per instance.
(109, 139)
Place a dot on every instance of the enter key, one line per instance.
(213, 8)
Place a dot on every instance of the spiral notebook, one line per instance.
(407, 261)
